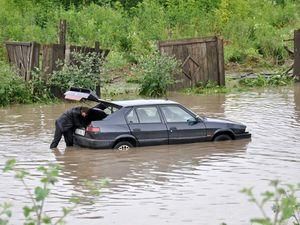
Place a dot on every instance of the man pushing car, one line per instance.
(66, 124)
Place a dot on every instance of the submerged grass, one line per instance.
(265, 81)
(241, 84)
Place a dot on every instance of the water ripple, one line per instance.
(183, 184)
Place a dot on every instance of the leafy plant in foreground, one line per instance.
(284, 202)
(5, 213)
(34, 214)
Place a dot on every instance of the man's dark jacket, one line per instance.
(70, 120)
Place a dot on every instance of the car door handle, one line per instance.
(136, 129)
(172, 128)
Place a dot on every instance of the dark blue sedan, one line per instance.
(125, 124)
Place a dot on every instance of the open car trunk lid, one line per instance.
(79, 94)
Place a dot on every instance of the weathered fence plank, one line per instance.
(62, 32)
(24, 56)
(187, 41)
(221, 68)
(202, 60)
(296, 72)
(52, 55)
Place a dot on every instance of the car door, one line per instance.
(182, 125)
(146, 125)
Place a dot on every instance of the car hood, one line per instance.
(226, 123)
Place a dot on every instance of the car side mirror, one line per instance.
(193, 120)
(198, 119)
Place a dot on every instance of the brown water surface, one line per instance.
(179, 184)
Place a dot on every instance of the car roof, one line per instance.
(143, 102)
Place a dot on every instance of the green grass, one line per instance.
(254, 30)
(241, 85)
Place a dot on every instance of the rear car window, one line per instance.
(132, 117)
(148, 114)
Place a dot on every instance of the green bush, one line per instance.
(155, 73)
(82, 71)
(13, 88)
(39, 89)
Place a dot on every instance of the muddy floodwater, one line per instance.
(179, 184)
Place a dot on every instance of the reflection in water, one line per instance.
(117, 165)
(178, 184)
(212, 105)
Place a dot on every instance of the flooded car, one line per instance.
(132, 123)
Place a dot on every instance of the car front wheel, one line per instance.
(222, 137)
(123, 146)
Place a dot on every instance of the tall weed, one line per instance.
(12, 87)
(155, 74)
(82, 71)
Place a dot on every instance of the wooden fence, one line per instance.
(296, 71)
(24, 56)
(202, 60)
(54, 53)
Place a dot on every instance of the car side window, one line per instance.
(148, 114)
(132, 117)
(175, 113)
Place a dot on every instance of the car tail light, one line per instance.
(92, 129)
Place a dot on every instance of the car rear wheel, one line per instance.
(123, 146)
(222, 137)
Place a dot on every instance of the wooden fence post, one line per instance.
(221, 61)
(62, 31)
(97, 70)
(34, 59)
(296, 72)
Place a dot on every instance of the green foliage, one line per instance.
(12, 88)
(155, 74)
(39, 89)
(5, 213)
(241, 85)
(82, 72)
(209, 87)
(34, 214)
(253, 28)
(264, 81)
(284, 201)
